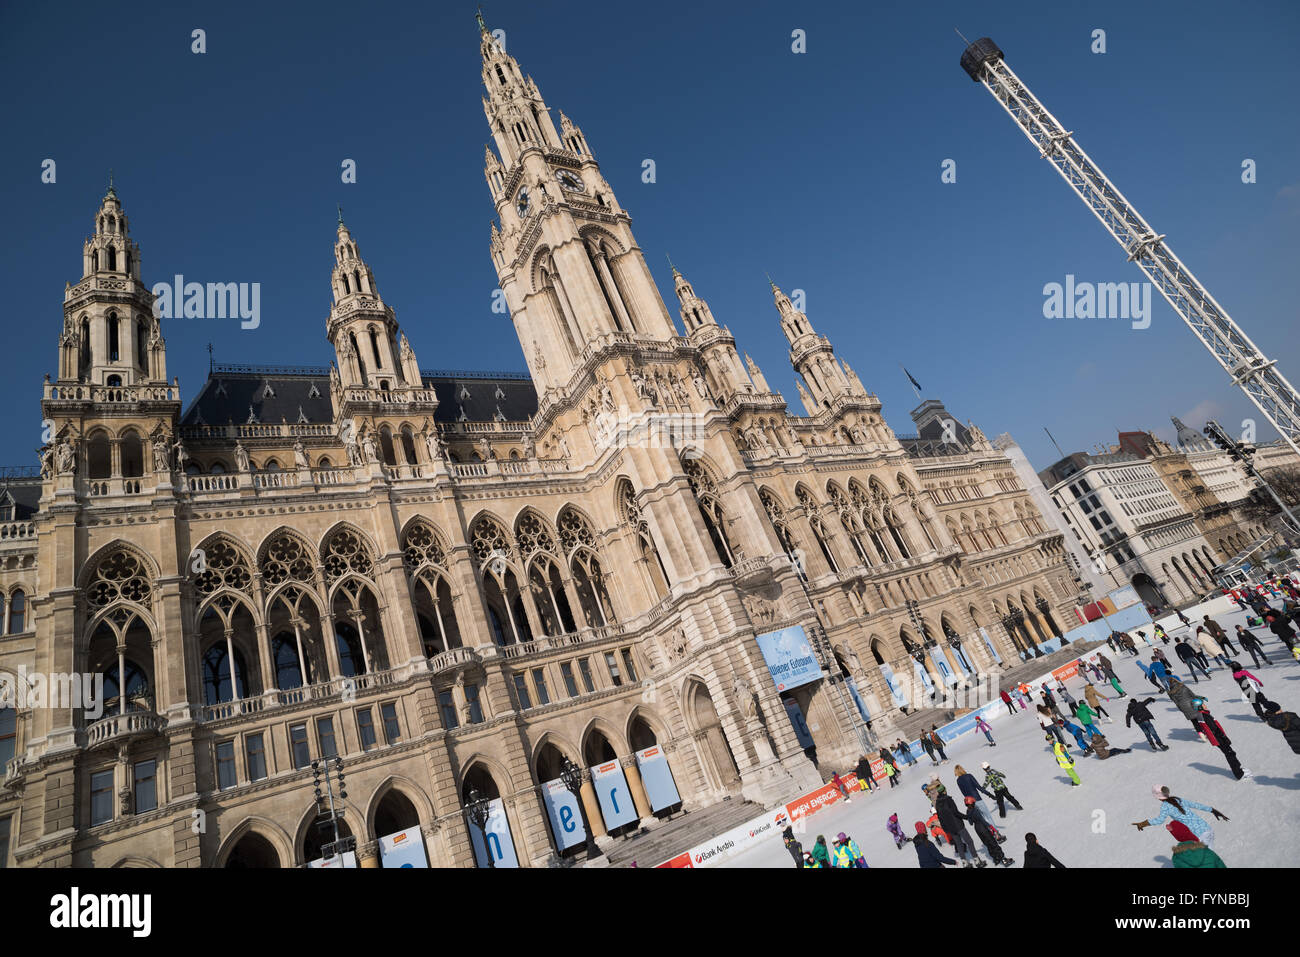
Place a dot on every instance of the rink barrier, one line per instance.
(771, 823)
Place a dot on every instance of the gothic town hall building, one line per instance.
(459, 582)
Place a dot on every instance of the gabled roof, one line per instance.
(270, 394)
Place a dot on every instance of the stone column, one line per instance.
(639, 799)
(368, 854)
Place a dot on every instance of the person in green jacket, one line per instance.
(821, 853)
(1189, 852)
(1088, 718)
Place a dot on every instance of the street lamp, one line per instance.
(476, 806)
(571, 776)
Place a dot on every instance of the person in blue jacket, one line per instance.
(927, 855)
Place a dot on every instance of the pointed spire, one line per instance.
(111, 190)
(770, 283)
(670, 265)
(340, 205)
(482, 26)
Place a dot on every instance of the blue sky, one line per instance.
(821, 168)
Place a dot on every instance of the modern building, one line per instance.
(459, 583)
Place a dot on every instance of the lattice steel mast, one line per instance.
(1253, 373)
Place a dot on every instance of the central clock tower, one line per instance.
(568, 264)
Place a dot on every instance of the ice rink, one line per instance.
(1091, 825)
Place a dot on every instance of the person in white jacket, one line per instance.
(1211, 647)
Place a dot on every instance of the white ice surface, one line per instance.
(1091, 825)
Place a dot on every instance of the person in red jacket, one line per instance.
(1209, 726)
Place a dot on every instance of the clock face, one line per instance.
(521, 202)
(570, 181)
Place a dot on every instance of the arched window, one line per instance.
(98, 456)
(218, 684)
(141, 347)
(374, 347)
(113, 381)
(132, 455)
(112, 337)
(386, 445)
(136, 688)
(706, 497)
(8, 734)
(83, 350)
(652, 564)
(17, 612)
(112, 257)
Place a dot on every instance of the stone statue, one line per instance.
(434, 445)
(182, 456)
(701, 386)
(564, 447)
(65, 457)
(162, 461)
(794, 438)
(606, 397)
(300, 455)
(368, 445)
(485, 449)
(47, 461)
(746, 700)
(241, 457)
(530, 450)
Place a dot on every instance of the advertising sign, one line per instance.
(789, 657)
(403, 849)
(801, 732)
(349, 859)
(895, 691)
(989, 643)
(613, 794)
(857, 699)
(565, 814)
(657, 777)
(497, 838)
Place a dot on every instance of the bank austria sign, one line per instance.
(789, 656)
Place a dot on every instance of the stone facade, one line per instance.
(458, 581)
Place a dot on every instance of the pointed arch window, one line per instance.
(141, 347)
(653, 565)
(374, 347)
(706, 497)
(112, 337)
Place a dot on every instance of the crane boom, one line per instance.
(1251, 371)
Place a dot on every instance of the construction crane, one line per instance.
(1252, 372)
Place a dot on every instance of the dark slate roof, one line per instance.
(230, 391)
(22, 485)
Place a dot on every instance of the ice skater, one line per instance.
(1252, 645)
(1251, 689)
(1094, 700)
(1064, 760)
(1187, 654)
(900, 747)
(863, 771)
(1077, 733)
(1006, 700)
(1189, 852)
(996, 782)
(927, 855)
(971, 789)
(1210, 647)
(841, 786)
(1038, 856)
(1180, 810)
(1101, 747)
(984, 831)
(938, 743)
(1048, 724)
(1221, 636)
(1109, 670)
(1209, 726)
(983, 726)
(950, 819)
(1088, 718)
(1285, 721)
(1139, 712)
(793, 846)
(896, 831)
